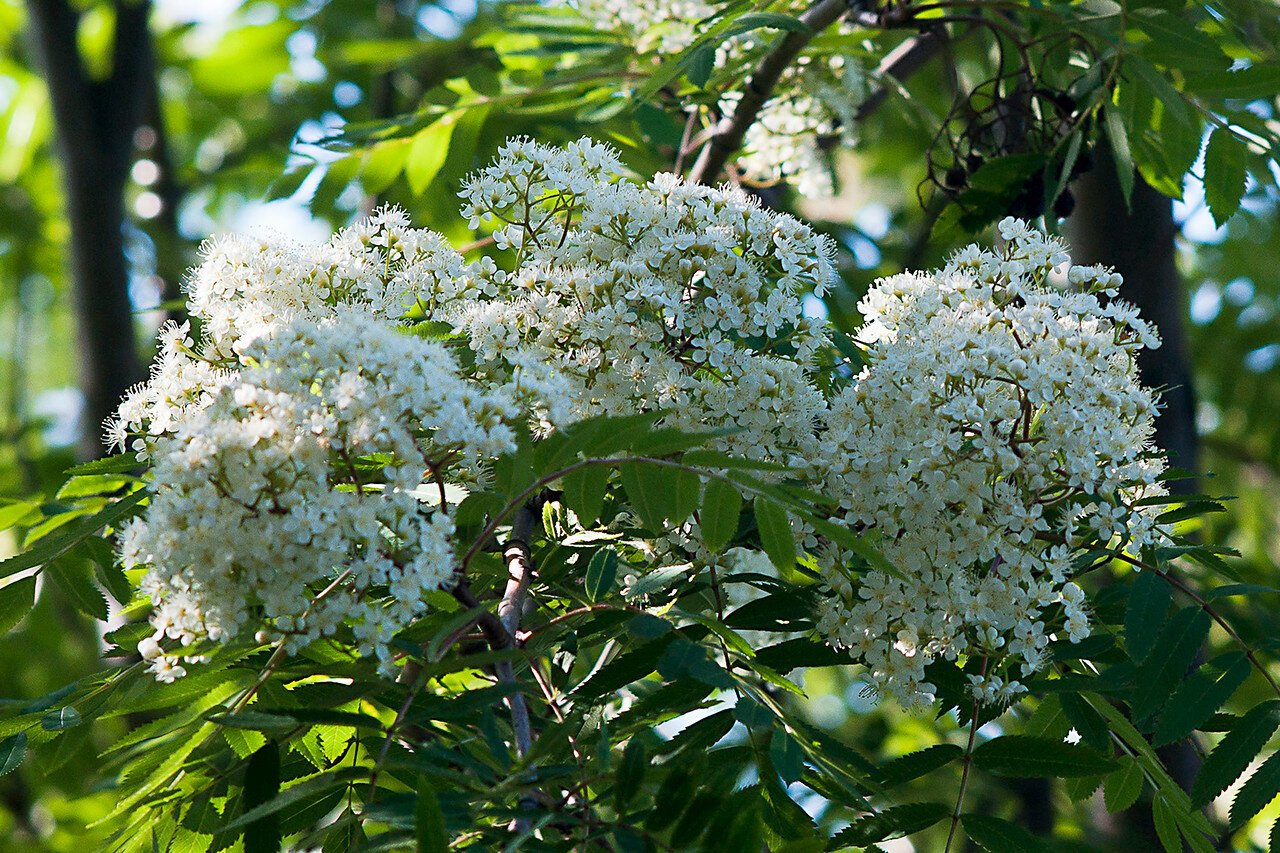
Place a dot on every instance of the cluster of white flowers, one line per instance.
(297, 448)
(998, 424)
(813, 104)
(667, 295)
(302, 445)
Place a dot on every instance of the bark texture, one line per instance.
(95, 122)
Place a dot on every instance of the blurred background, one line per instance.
(132, 131)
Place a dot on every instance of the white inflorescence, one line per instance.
(667, 295)
(295, 448)
(302, 443)
(998, 419)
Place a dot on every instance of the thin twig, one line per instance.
(968, 761)
(759, 88)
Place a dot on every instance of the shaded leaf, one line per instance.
(602, 572)
(429, 819)
(916, 764)
(1123, 787)
(16, 601)
(1235, 751)
(718, 518)
(1224, 174)
(13, 750)
(775, 533)
(1197, 698)
(893, 822)
(996, 835)
(261, 787)
(1148, 605)
(62, 718)
(74, 576)
(786, 755)
(1260, 789)
(1026, 756)
(1167, 665)
(584, 490)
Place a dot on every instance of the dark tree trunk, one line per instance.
(95, 121)
(1139, 243)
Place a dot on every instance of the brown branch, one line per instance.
(900, 63)
(759, 88)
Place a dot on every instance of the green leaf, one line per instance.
(16, 601)
(718, 519)
(1197, 698)
(105, 568)
(913, 765)
(659, 493)
(74, 576)
(1149, 599)
(646, 491)
(1087, 722)
(685, 658)
(1123, 787)
(700, 65)
(775, 533)
(1025, 756)
(769, 20)
(255, 721)
(631, 770)
(624, 669)
(705, 458)
(60, 719)
(429, 819)
(1166, 824)
(1260, 80)
(1224, 174)
(1118, 138)
(57, 544)
(996, 835)
(602, 572)
(13, 750)
(1235, 751)
(12, 513)
(1176, 43)
(1167, 665)
(893, 822)
(429, 151)
(786, 755)
(1257, 792)
(584, 491)
(261, 787)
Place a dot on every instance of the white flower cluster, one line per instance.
(666, 295)
(297, 449)
(997, 425)
(813, 104)
(301, 447)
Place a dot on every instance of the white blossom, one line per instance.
(995, 414)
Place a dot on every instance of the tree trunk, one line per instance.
(95, 121)
(1139, 243)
